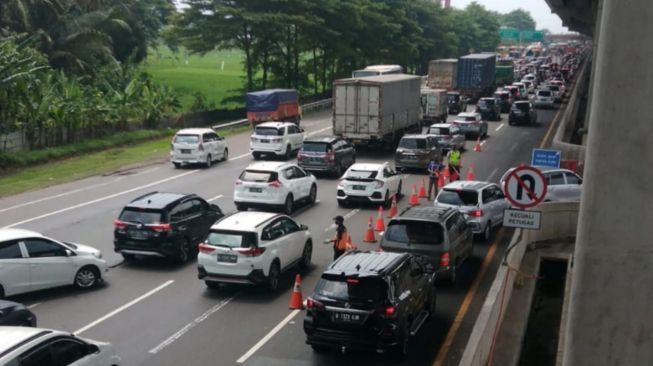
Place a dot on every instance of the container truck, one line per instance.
(434, 106)
(476, 75)
(442, 74)
(376, 110)
(505, 72)
(273, 105)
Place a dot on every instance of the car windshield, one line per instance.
(544, 93)
(554, 87)
(316, 147)
(439, 131)
(140, 216)
(415, 232)
(361, 174)
(367, 290)
(521, 106)
(258, 176)
(453, 97)
(231, 239)
(458, 197)
(269, 131)
(187, 139)
(412, 143)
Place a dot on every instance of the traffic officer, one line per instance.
(454, 163)
(341, 240)
(434, 171)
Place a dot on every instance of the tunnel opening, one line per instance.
(540, 344)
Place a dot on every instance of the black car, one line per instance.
(522, 112)
(489, 109)
(13, 313)
(455, 103)
(330, 154)
(505, 100)
(164, 225)
(370, 301)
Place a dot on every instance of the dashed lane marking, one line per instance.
(214, 198)
(498, 128)
(267, 337)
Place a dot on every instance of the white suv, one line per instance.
(197, 146)
(274, 184)
(36, 346)
(253, 248)
(276, 138)
(30, 261)
(369, 183)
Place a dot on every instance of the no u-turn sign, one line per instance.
(525, 187)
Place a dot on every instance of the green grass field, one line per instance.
(217, 75)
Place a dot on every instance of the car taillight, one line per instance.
(330, 156)
(378, 184)
(476, 213)
(159, 228)
(300, 157)
(275, 184)
(313, 304)
(205, 248)
(251, 252)
(201, 147)
(444, 259)
(119, 224)
(389, 310)
(352, 281)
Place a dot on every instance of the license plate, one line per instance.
(358, 188)
(229, 258)
(256, 190)
(139, 234)
(410, 157)
(346, 318)
(265, 141)
(185, 151)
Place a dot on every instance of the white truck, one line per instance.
(376, 110)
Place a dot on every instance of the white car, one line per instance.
(482, 203)
(274, 184)
(37, 346)
(276, 138)
(30, 261)
(253, 248)
(563, 185)
(560, 85)
(557, 95)
(471, 123)
(369, 183)
(197, 146)
(544, 99)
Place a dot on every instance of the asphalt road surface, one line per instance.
(158, 313)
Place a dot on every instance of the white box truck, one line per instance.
(376, 110)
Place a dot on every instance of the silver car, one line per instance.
(471, 124)
(482, 203)
(448, 135)
(563, 185)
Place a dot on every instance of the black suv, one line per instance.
(370, 301)
(164, 225)
(489, 109)
(329, 154)
(522, 113)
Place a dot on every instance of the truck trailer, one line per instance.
(443, 74)
(476, 75)
(273, 105)
(434, 106)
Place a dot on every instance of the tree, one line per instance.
(518, 18)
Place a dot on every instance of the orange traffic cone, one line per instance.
(441, 182)
(393, 208)
(477, 147)
(422, 190)
(380, 225)
(296, 301)
(369, 234)
(413, 197)
(470, 174)
(446, 173)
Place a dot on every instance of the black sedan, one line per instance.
(13, 313)
(522, 112)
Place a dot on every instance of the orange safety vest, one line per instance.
(343, 243)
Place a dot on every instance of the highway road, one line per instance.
(158, 313)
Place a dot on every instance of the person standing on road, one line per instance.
(453, 157)
(434, 171)
(341, 240)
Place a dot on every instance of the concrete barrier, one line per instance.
(559, 220)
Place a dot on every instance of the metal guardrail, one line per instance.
(306, 108)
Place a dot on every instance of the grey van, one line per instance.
(440, 235)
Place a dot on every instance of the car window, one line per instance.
(451, 222)
(362, 175)
(258, 176)
(401, 279)
(195, 207)
(298, 173)
(37, 356)
(273, 231)
(416, 268)
(415, 232)
(10, 250)
(293, 130)
(232, 239)
(200, 205)
(412, 143)
(65, 351)
(139, 216)
(458, 198)
(368, 290)
(269, 131)
(497, 193)
(315, 146)
(461, 224)
(181, 211)
(487, 195)
(207, 137)
(554, 179)
(214, 136)
(38, 248)
(289, 173)
(289, 226)
(187, 139)
(572, 178)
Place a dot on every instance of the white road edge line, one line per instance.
(489, 177)
(239, 157)
(122, 308)
(267, 337)
(34, 305)
(191, 325)
(214, 198)
(498, 128)
(318, 131)
(100, 199)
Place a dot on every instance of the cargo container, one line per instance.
(376, 110)
(273, 105)
(476, 75)
(434, 106)
(443, 74)
(504, 75)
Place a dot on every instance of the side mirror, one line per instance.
(301, 130)
(303, 227)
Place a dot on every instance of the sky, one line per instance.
(539, 10)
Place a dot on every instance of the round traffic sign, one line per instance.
(525, 187)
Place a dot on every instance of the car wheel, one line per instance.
(487, 232)
(209, 161)
(342, 203)
(307, 254)
(288, 152)
(184, 252)
(225, 155)
(338, 171)
(87, 277)
(288, 205)
(212, 285)
(312, 195)
(453, 274)
(177, 165)
(273, 277)
(2, 292)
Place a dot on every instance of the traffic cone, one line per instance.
(369, 234)
(470, 174)
(380, 225)
(422, 190)
(446, 173)
(441, 181)
(393, 208)
(413, 197)
(477, 147)
(296, 301)
(454, 176)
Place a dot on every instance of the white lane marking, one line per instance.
(489, 178)
(513, 147)
(318, 131)
(34, 305)
(239, 156)
(498, 128)
(483, 142)
(59, 195)
(267, 337)
(346, 217)
(122, 308)
(101, 199)
(214, 198)
(191, 325)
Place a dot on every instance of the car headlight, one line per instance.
(97, 254)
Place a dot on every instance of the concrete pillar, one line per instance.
(611, 308)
